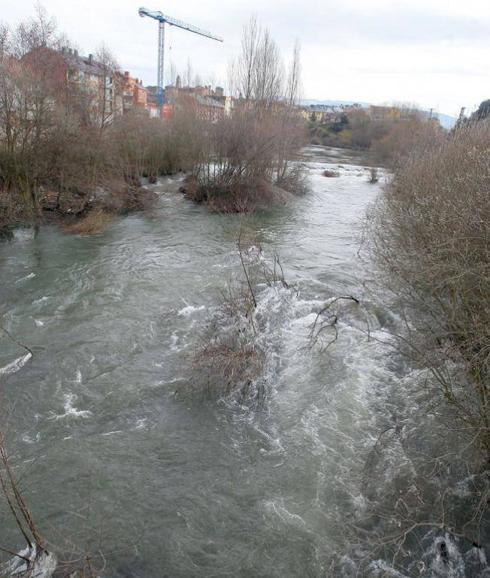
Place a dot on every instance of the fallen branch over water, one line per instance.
(12, 338)
(318, 328)
(15, 365)
(36, 560)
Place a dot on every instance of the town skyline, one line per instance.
(435, 57)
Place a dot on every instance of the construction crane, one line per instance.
(162, 20)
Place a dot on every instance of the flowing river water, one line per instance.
(114, 458)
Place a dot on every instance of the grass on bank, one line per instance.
(95, 222)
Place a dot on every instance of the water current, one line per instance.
(113, 457)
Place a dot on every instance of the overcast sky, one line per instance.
(434, 53)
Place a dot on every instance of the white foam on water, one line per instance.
(380, 569)
(274, 443)
(277, 508)
(41, 565)
(70, 409)
(174, 342)
(42, 299)
(31, 440)
(190, 310)
(15, 365)
(26, 278)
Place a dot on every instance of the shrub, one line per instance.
(295, 179)
(93, 223)
(432, 236)
(373, 175)
(403, 137)
(246, 156)
(232, 356)
(147, 147)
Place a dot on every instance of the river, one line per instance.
(115, 458)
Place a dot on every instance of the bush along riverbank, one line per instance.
(430, 232)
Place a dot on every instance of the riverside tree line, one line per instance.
(59, 140)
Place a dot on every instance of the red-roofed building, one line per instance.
(135, 95)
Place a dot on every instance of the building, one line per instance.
(99, 93)
(228, 103)
(135, 95)
(98, 82)
(153, 108)
(210, 104)
(90, 88)
(209, 108)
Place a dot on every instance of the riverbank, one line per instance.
(78, 214)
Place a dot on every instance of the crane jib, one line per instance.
(156, 15)
(162, 20)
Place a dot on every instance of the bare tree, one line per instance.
(41, 30)
(256, 148)
(4, 40)
(246, 63)
(35, 560)
(259, 69)
(293, 85)
(173, 74)
(107, 86)
(188, 77)
(268, 71)
(197, 80)
(431, 237)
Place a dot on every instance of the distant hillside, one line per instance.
(446, 121)
(333, 102)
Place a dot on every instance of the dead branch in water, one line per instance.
(19, 509)
(247, 277)
(14, 554)
(330, 324)
(37, 552)
(14, 340)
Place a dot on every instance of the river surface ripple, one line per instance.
(180, 487)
